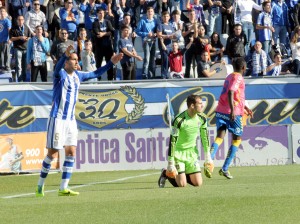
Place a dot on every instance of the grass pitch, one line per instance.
(267, 194)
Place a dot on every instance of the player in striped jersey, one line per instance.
(62, 127)
(183, 152)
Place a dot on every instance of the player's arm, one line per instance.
(204, 137)
(100, 71)
(60, 64)
(230, 101)
(247, 110)
(171, 169)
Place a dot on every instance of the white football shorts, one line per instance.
(61, 133)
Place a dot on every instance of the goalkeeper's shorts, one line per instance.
(234, 127)
(187, 162)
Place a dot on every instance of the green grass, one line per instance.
(268, 194)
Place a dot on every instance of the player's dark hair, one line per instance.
(238, 64)
(191, 99)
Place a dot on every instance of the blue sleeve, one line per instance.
(59, 65)
(140, 28)
(45, 45)
(29, 51)
(8, 24)
(83, 7)
(95, 74)
(63, 14)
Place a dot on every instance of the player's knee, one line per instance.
(181, 184)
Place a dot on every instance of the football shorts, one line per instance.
(61, 133)
(235, 127)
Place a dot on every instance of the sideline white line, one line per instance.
(84, 185)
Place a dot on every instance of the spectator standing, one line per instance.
(103, 32)
(146, 29)
(235, 46)
(52, 15)
(280, 19)
(19, 38)
(37, 49)
(119, 11)
(227, 16)
(5, 26)
(69, 19)
(18, 8)
(165, 31)
(199, 12)
(178, 27)
(214, 17)
(189, 31)
(175, 57)
(59, 46)
(295, 47)
(34, 18)
(127, 22)
(296, 14)
(127, 62)
(82, 37)
(245, 18)
(88, 59)
(202, 42)
(89, 8)
(265, 27)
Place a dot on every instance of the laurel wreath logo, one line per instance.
(139, 105)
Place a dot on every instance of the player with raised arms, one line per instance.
(183, 164)
(229, 116)
(62, 127)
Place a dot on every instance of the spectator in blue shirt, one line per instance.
(265, 27)
(69, 19)
(147, 30)
(119, 11)
(166, 32)
(37, 49)
(90, 14)
(280, 21)
(126, 47)
(5, 26)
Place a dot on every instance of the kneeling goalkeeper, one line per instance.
(183, 163)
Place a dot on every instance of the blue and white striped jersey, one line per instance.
(65, 89)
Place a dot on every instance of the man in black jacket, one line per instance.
(103, 32)
(18, 35)
(236, 42)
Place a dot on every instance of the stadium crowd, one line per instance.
(172, 33)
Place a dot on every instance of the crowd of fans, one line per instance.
(185, 32)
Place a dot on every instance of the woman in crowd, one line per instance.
(217, 48)
(295, 47)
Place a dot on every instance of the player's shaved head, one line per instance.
(239, 64)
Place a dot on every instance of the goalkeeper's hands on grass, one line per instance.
(171, 169)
